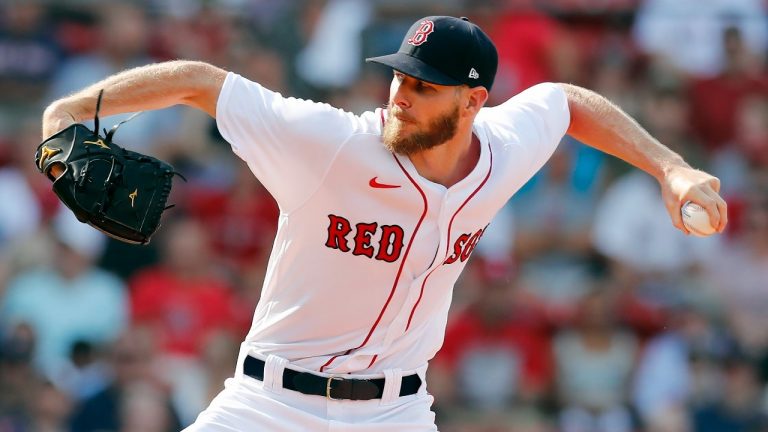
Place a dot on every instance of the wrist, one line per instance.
(671, 166)
(56, 118)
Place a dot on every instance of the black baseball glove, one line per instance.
(117, 191)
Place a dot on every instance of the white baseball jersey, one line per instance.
(367, 251)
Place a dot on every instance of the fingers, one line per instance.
(716, 207)
(722, 210)
(710, 206)
(674, 207)
(56, 170)
(722, 206)
(714, 183)
(686, 184)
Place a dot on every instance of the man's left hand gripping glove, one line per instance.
(117, 191)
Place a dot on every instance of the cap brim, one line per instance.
(414, 67)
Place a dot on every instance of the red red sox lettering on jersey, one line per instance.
(385, 242)
(360, 277)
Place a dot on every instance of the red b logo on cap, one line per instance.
(425, 28)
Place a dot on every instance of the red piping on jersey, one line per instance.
(448, 240)
(399, 271)
(373, 360)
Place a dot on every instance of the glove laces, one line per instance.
(108, 134)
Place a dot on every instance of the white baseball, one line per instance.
(696, 219)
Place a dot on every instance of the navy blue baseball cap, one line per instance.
(447, 51)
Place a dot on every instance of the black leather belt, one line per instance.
(335, 387)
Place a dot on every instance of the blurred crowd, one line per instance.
(583, 309)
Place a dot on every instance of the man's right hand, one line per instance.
(681, 184)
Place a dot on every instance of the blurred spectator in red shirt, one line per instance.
(529, 43)
(186, 305)
(751, 135)
(240, 220)
(496, 354)
(741, 164)
(182, 299)
(715, 101)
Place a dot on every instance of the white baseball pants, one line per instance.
(247, 404)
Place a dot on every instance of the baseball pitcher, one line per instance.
(379, 213)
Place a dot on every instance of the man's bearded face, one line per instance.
(398, 139)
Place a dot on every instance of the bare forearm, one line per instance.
(144, 88)
(597, 122)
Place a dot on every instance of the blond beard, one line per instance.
(437, 132)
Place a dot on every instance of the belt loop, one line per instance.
(393, 378)
(273, 373)
(240, 359)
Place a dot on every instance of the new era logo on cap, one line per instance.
(429, 52)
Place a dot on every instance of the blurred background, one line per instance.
(582, 310)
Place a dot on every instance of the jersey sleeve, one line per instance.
(528, 127)
(288, 143)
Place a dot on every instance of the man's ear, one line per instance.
(475, 99)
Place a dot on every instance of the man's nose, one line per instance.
(400, 98)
